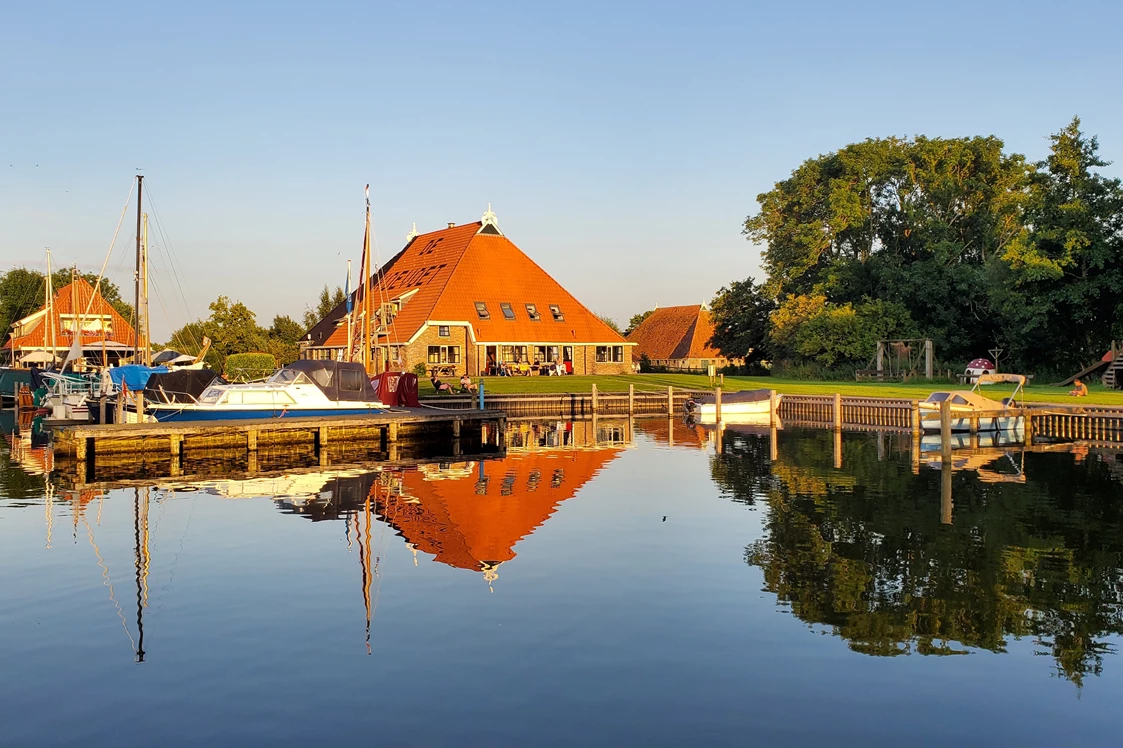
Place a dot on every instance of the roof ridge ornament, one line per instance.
(413, 234)
(489, 218)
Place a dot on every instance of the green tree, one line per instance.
(637, 320)
(233, 328)
(1062, 285)
(329, 300)
(22, 293)
(283, 339)
(740, 313)
(610, 322)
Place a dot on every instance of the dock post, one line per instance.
(773, 409)
(456, 429)
(773, 444)
(101, 410)
(837, 411)
(631, 399)
(140, 406)
(945, 432)
(717, 405)
(838, 449)
(974, 424)
(594, 398)
(671, 402)
(175, 445)
(481, 393)
(915, 417)
(392, 432)
(80, 448)
(721, 379)
(251, 440)
(1028, 427)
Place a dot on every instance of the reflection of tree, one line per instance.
(862, 550)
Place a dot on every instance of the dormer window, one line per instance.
(508, 312)
(557, 312)
(532, 312)
(481, 310)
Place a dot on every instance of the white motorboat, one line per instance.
(303, 388)
(970, 405)
(746, 404)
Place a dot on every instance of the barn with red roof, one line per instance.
(465, 299)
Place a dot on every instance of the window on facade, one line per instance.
(552, 353)
(532, 312)
(442, 331)
(557, 312)
(351, 380)
(540, 354)
(610, 354)
(512, 353)
(444, 354)
(508, 312)
(481, 310)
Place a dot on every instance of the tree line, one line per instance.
(952, 239)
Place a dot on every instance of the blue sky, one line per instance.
(620, 144)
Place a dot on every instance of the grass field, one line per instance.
(912, 391)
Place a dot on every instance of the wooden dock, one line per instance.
(667, 401)
(383, 433)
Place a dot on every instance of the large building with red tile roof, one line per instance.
(678, 338)
(105, 333)
(466, 299)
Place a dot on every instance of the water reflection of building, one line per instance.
(674, 432)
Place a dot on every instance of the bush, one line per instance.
(421, 371)
(246, 367)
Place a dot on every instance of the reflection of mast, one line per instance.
(140, 537)
(364, 563)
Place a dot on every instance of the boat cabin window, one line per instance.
(257, 397)
(288, 376)
(211, 395)
(938, 397)
(958, 400)
(351, 380)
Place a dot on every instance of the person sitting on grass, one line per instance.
(1081, 389)
(441, 387)
(466, 384)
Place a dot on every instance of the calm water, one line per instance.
(644, 590)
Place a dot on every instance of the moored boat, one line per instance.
(303, 388)
(745, 403)
(970, 406)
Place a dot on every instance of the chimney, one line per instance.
(451, 225)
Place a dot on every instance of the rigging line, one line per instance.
(108, 582)
(175, 560)
(108, 254)
(176, 268)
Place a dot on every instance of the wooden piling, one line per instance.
(945, 431)
(914, 417)
(594, 398)
(251, 440)
(773, 409)
(717, 405)
(837, 410)
(671, 401)
(631, 399)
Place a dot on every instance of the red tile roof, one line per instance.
(675, 332)
(64, 304)
(454, 268)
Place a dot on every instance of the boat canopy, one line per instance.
(338, 380)
(744, 396)
(169, 356)
(134, 376)
(1017, 379)
(183, 386)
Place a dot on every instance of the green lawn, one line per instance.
(913, 390)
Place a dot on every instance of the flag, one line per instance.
(348, 289)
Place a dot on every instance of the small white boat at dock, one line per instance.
(970, 406)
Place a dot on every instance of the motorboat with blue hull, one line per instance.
(323, 389)
(971, 410)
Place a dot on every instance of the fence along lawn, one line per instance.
(1038, 393)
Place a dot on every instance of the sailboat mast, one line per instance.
(367, 363)
(145, 329)
(350, 333)
(50, 306)
(136, 274)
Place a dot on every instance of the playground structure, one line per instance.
(900, 359)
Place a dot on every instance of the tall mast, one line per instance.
(136, 274)
(52, 323)
(77, 342)
(369, 323)
(145, 328)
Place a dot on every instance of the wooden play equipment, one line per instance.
(900, 359)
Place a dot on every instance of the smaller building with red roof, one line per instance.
(678, 338)
(75, 309)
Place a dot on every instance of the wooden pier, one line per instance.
(88, 445)
(668, 401)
